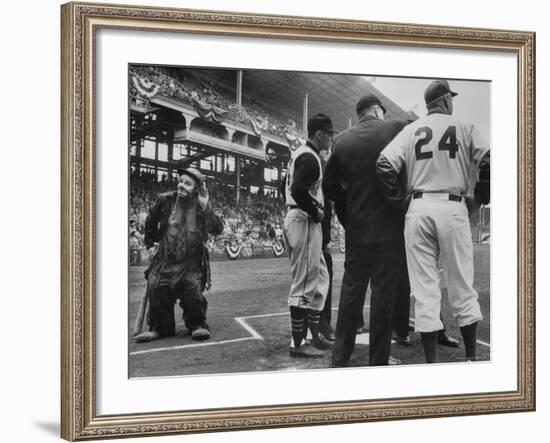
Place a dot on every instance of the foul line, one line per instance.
(250, 329)
(254, 335)
(172, 348)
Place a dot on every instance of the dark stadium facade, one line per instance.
(237, 127)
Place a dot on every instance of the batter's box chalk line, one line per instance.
(361, 339)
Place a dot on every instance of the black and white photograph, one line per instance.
(288, 221)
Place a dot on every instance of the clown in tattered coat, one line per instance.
(176, 232)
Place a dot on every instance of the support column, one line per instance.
(188, 120)
(237, 179)
(305, 110)
(239, 97)
(349, 123)
(156, 160)
(279, 173)
(170, 158)
(230, 133)
(139, 143)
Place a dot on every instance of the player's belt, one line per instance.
(293, 207)
(439, 195)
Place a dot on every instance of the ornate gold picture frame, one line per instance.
(79, 388)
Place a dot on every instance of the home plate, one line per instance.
(363, 339)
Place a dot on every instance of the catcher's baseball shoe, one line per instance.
(306, 351)
(200, 333)
(146, 336)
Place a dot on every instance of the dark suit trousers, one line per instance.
(326, 313)
(379, 263)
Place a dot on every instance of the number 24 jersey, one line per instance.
(437, 152)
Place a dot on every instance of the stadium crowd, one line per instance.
(189, 89)
(255, 223)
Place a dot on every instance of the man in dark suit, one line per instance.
(325, 326)
(374, 232)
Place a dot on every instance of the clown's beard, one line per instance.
(186, 200)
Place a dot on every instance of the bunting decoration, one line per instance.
(292, 136)
(259, 124)
(145, 87)
(233, 251)
(209, 112)
(278, 249)
(294, 141)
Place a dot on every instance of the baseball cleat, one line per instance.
(446, 340)
(146, 336)
(403, 341)
(306, 351)
(320, 342)
(200, 333)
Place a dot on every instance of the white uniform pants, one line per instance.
(310, 279)
(438, 230)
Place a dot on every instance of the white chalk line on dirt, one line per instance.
(255, 335)
(240, 320)
(194, 345)
(250, 329)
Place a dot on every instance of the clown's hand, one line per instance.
(203, 196)
(153, 250)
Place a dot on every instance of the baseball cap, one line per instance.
(436, 89)
(320, 122)
(193, 173)
(367, 101)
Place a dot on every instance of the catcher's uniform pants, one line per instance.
(379, 263)
(438, 230)
(310, 279)
(161, 304)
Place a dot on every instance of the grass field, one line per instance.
(250, 324)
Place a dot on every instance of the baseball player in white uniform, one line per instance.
(303, 236)
(436, 153)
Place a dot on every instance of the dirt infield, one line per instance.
(250, 324)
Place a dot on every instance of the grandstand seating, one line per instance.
(251, 223)
(188, 88)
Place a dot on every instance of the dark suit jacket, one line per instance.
(350, 181)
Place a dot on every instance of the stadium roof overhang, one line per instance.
(284, 91)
